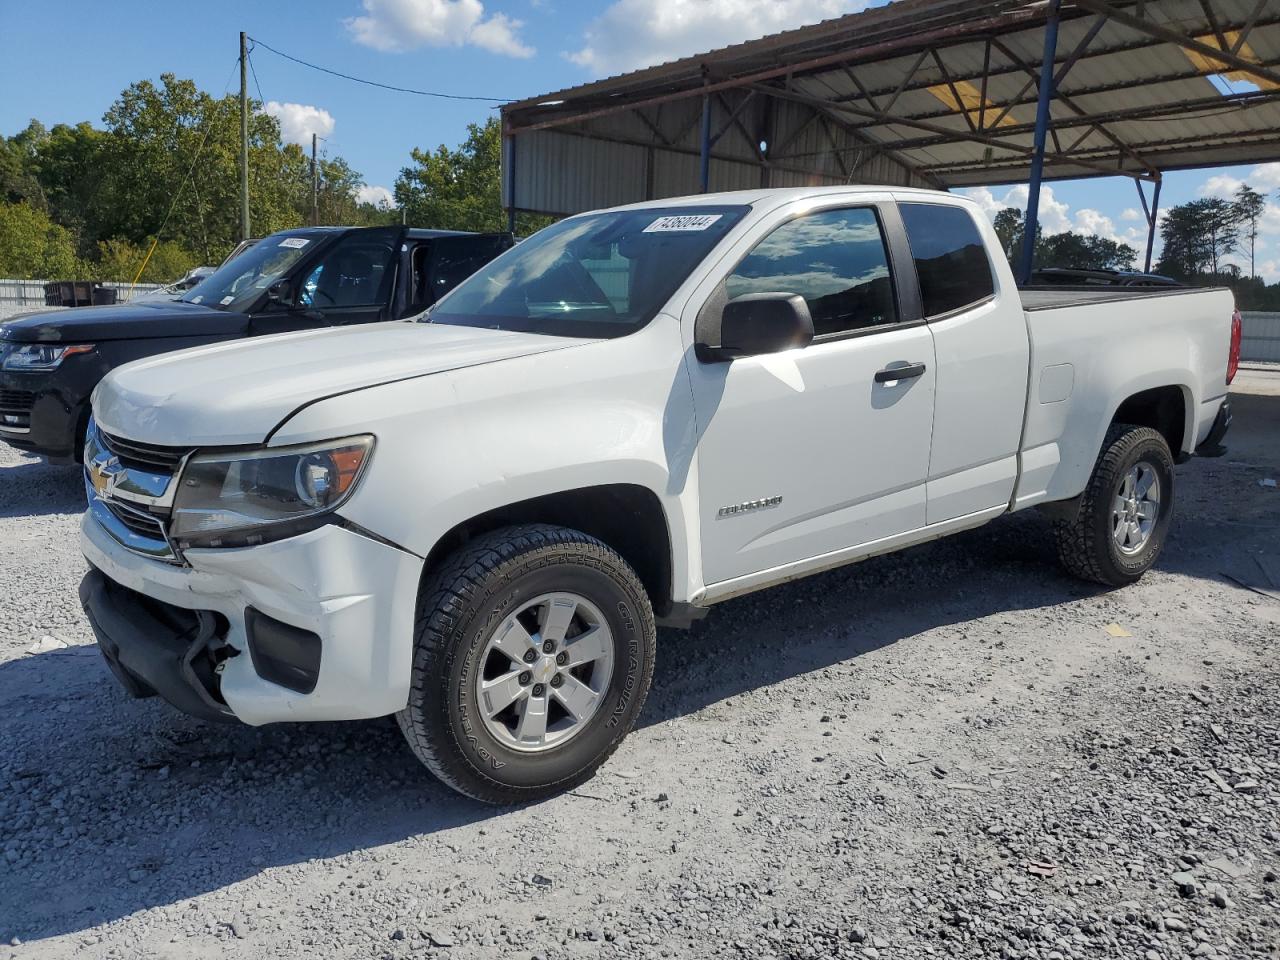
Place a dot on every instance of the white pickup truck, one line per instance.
(473, 520)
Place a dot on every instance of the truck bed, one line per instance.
(1051, 296)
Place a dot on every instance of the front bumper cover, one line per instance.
(355, 594)
(156, 648)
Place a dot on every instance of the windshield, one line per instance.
(241, 279)
(603, 275)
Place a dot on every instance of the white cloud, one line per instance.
(400, 25)
(1220, 185)
(1269, 222)
(637, 33)
(299, 120)
(498, 35)
(1057, 216)
(378, 196)
(1130, 213)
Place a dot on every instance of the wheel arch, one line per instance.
(627, 517)
(1168, 409)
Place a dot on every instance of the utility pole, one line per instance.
(244, 139)
(315, 185)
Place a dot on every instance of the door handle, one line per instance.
(909, 372)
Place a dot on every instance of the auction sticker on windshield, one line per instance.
(294, 243)
(682, 224)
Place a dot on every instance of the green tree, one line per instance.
(1249, 205)
(1082, 251)
(460, 189)
(155, 135)
(121, 260)
(1008, 224)
(33, 247)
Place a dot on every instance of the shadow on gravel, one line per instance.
(770, 636)
(110, 806)
(35, 488)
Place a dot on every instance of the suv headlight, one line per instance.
(243, 499)
(42, 356)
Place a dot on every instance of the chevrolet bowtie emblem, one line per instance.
(102, 475)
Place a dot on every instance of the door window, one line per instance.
(835, 259)
(356, 272)
(951, 259)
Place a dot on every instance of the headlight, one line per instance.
(242, 499)
(42, 356)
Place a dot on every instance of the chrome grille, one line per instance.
(130, 487)
(141, 522)
(151, 455)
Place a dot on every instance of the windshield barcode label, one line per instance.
(295, 243)
(682, 224)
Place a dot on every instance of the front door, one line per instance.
(351, 281)
(820, 449)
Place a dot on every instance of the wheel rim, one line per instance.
(1136, 508)
(544, 672)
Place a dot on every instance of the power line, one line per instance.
(254, 71)
(374, 83)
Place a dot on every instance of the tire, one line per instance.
(474, 599)
(1088, 544)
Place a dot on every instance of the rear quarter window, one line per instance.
(950, 257)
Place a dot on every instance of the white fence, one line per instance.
(23, 296)
(1261, 339)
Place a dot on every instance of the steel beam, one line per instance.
(704, 168)
(1152, 217)
(1223, 56)
(1032, 219)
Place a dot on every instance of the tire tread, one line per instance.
(1078, 549)
(444, 596)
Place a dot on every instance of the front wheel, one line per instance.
(534, 651)
(1124, 514)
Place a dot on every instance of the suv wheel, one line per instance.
(1124, 514)
(534, 651)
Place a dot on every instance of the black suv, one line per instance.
(302, 279)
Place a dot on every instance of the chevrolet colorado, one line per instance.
(302, 279)
(473, 522)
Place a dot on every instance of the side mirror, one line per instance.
(280, 294)
(758, 323)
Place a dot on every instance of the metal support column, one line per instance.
(1152, 218)
(1032, 220)
(509, 178)
(705, 171)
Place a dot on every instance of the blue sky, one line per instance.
(66, 61)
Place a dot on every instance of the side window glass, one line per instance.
(356, 272)
(950, 257)
(835, 259)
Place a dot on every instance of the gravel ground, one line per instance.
(954, 751)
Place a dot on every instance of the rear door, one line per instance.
(816, 450)
(980, 340)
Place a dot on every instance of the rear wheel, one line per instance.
(1124, 514)
(534, 651)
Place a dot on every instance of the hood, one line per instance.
(239, 392)
(124, 321)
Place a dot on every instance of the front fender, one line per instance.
(458, 444)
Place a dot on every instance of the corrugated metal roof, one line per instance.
(915, 93)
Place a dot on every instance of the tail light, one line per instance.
(1233, 355)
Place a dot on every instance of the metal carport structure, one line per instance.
(937, 93)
